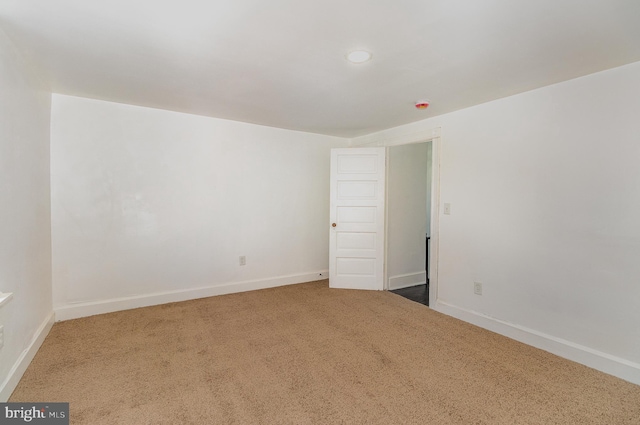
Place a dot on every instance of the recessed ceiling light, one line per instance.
(358, 56)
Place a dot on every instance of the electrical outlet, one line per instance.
(477, 288)
(447, 209)
(243, 260)
(1, 336)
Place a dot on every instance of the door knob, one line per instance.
(333, 224)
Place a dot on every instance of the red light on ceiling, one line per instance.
(422, 104)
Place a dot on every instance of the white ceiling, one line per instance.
(282, 63)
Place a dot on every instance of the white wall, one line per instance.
(25, 244)
(545, 198)
(407, 217)
(151, 206)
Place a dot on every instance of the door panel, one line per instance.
(353, 240)
(357, 209)
(358, 163)
(356, 190)
(357, 215)
(357, 266)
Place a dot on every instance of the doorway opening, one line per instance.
(360, 254)
(409, 206)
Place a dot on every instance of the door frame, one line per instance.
(433, 136)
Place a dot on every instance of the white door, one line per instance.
(356, 252)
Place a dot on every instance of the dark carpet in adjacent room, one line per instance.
(416, 293)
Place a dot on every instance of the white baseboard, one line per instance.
(616, 366)
(20, 366)
(74, 311)
(406, 280)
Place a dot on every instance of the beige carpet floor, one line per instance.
(307, 354)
